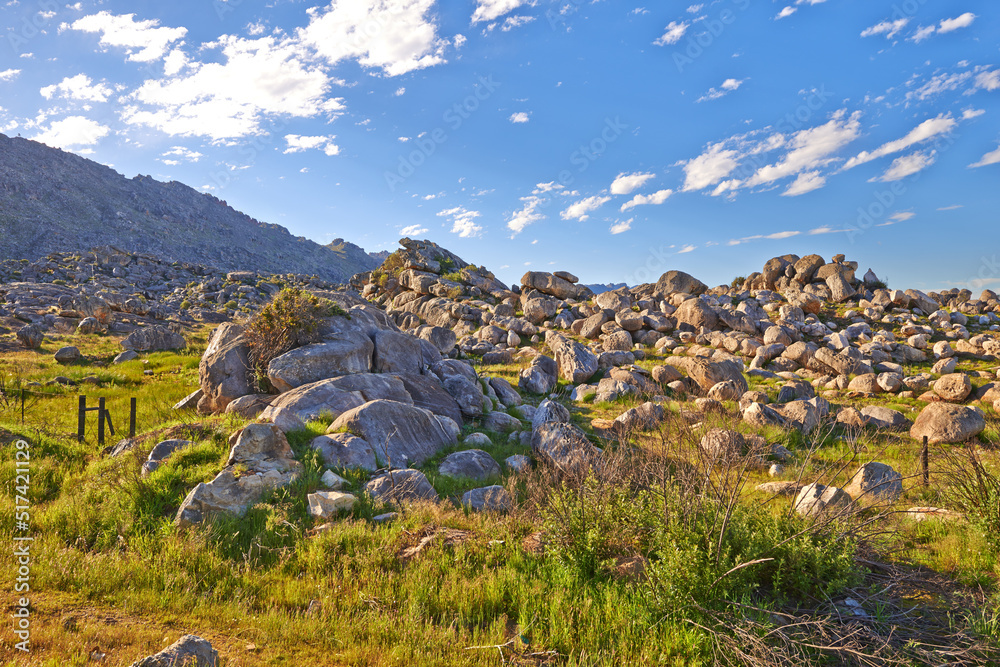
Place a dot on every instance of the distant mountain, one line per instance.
(54, 201)
(610, 287)
(379, 256)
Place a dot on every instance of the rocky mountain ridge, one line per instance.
(55, 201)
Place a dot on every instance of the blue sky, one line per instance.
(614, 140)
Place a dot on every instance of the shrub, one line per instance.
(291, 319)
(738, 282)
(185, 304)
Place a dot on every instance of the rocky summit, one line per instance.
(55, 201)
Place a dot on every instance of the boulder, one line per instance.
(875, 482)
(94, 306)
(250, 406)
(723, 444)
(154, 339)
(945, 422)
(30, 336)
(562, 445)
(885, 418)
(644, 417)
(401, 486)
(540, 377)
(402, 435)
(440, 337)
(818, 499)
(548, 283)
(188, 651)
(507, 395)
(330, 398)
(324, 504)
(427, 393)
(550, 411)
(678, 281)
(88, 325)
(471, 463)
(500, 422)
(840, 289)
(397, 352)
(697, 313)
(488, 499)
(707, 374)
(349, 353)
(954, 387)
(67, 355)
(161, 452)
(343, 450)
(459, 379)
(263, 460)
(224, 371)
(575, 362)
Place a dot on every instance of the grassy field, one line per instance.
(660, 559)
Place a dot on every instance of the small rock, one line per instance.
(189, 651)
(518, 462)
(66, 355)
(815, 499)
(332, 480)
(324, 504)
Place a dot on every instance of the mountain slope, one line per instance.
(51, 200)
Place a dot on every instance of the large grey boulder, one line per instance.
(507, 395)
(563, 445)
(343, 450)
(576, 363)
(678, 281)
(427, 393)
(401, 486)
(540, 377)
(260, 460)
(350, 352)
(459, 379)
(488, 499)
(944, 422)
(697, 313)
(840, 289)
(67, 355)
(707, 374)
(154, 339)
(875, 482)
(553, 285)
(188, 651)
(224, 371)
(885, 418)
(161, 452)
(402, 435)
(471, 463)
(819, 499)
(397, 352)
(94, 306)
(550, 411)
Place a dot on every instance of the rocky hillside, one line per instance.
(54, 201)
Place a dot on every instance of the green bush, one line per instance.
(291, 319)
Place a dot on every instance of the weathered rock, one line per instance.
(945, 422)
(224, 371)
(500, 422)
(324, 504)
(507, 395)
(88, 325)
(817, 499)
(154, 339)
(349, 353)
(780, 488)
(697, 313)
(30, 336)
(886, 418)
(727, 390)
(576, 363)
(188, 651)
(128, 355)
(161, 452)
(723, 444)
(67, 355)
(550, 411)
(840, 289)
(666, 374)
(875, 482)
(402, 435)
(401, 486)
(707, 374)
(440, 337)
(955, 387)
(562, 445)
(471, 463)
(427, 393)
(548, 283)
(540, 377)
(396, 352)
(189, 402)
(866, 384)
(343, 450)
(488, 499)
(678, 281)
(644, 417)
(459, 379)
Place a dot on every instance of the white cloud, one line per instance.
(687, 249)
(183, 153)
(806, 182)
(988, 80)
(144, 41)
(175, 61)
(73, 131)
(627, 183)
(413, 230)
(298, 143)
(955, 207)
(887, 28)
(945, 26)
(673, 33)
(394, 35)
(786, 12)
(656, 198)
(902, 216)
(728, 86)
(519, 117)
(463, 221)
(928, 129)
(972, 113)
(459, 40)
(488, 10)
(938, 84)
(694, 9)
(621, 226)
(9, 74)
(78, 87)
(810, 149)
(399, 92)
(963, 21)
(777, 236)
(905, 166)
(993, 157)
(226, 100)
(581, 210)
(710, 167)
(512, 22)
